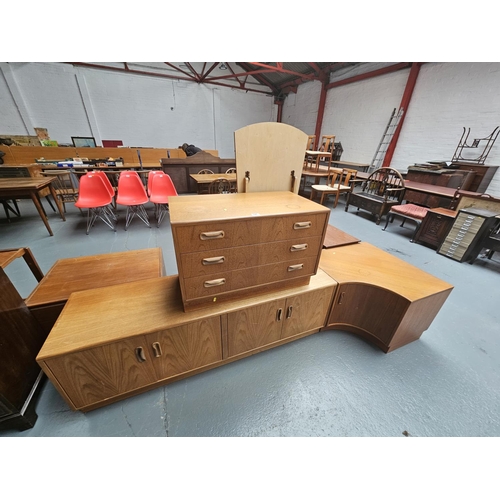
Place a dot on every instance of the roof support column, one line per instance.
(279, 116)
(321, 112)
(405, 102)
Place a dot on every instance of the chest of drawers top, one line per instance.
(197, 209)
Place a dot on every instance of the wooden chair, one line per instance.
(311, 141)
(231, 171)
(384, 188)
(340, 181)
(221, 186)
(65, 184)
(327, 143)
(205, 171)
(407, 211)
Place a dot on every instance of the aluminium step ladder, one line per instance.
(379, 156)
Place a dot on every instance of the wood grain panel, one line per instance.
(306, 312)
(370, 308)
(254, 327)
(205, 263)
(93, 375)
(186, 347)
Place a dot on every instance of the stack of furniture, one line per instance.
(100, 352)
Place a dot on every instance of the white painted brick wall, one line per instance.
(446, 98)
(301, 109)
(139, 110)
(10, 118)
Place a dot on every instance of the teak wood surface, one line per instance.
(96, 317)
(194, 209)
(83, 273)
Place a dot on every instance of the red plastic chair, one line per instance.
(162, 188)
(131, 193)
(150, 179)
(110, 189)
(95, 197)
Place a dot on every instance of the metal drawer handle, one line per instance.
(302, 225)
(208, 261)
(298, 248)
(157, 349)
(212, 235)
(296, 267)
(139, 354)
(217, 282)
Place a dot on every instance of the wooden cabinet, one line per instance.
(233, 245)
(21, 337)
(435, 227)
(483, 174)
(380, 297)
(261, 325)
(113, 342)
(464, 238)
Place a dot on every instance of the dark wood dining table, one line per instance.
(30, 187)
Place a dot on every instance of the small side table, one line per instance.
(435, 227)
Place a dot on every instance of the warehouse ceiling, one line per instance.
(271, 78)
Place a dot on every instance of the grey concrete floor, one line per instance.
(331, 384)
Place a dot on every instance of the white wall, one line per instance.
(446, 98)
(139, 110)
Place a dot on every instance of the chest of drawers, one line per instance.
(232, 245)
(470, 226)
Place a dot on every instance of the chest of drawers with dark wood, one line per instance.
(231, 245)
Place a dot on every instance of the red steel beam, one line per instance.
(370, 74)
(321, 112)
(282, 70)
(405, 102)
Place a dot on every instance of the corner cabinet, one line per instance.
(100, 352)
(380, 297)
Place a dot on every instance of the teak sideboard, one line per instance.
(114, 342)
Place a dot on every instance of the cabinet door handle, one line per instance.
(289, 312)
(212, 235)
(279, 312)
(341, 298)
(157, 349)
(302, 225)
(139, 354)
(298, 248)
(208, 261)
(217, 282)
(295, 267)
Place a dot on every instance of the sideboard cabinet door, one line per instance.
(306, 312)
(96, 374)
(186, 347)
(255, 326)
(369, 309)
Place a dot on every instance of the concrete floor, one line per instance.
(328, 384)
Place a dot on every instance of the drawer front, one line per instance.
(242, 232)
(215, 284)
(228, 259)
